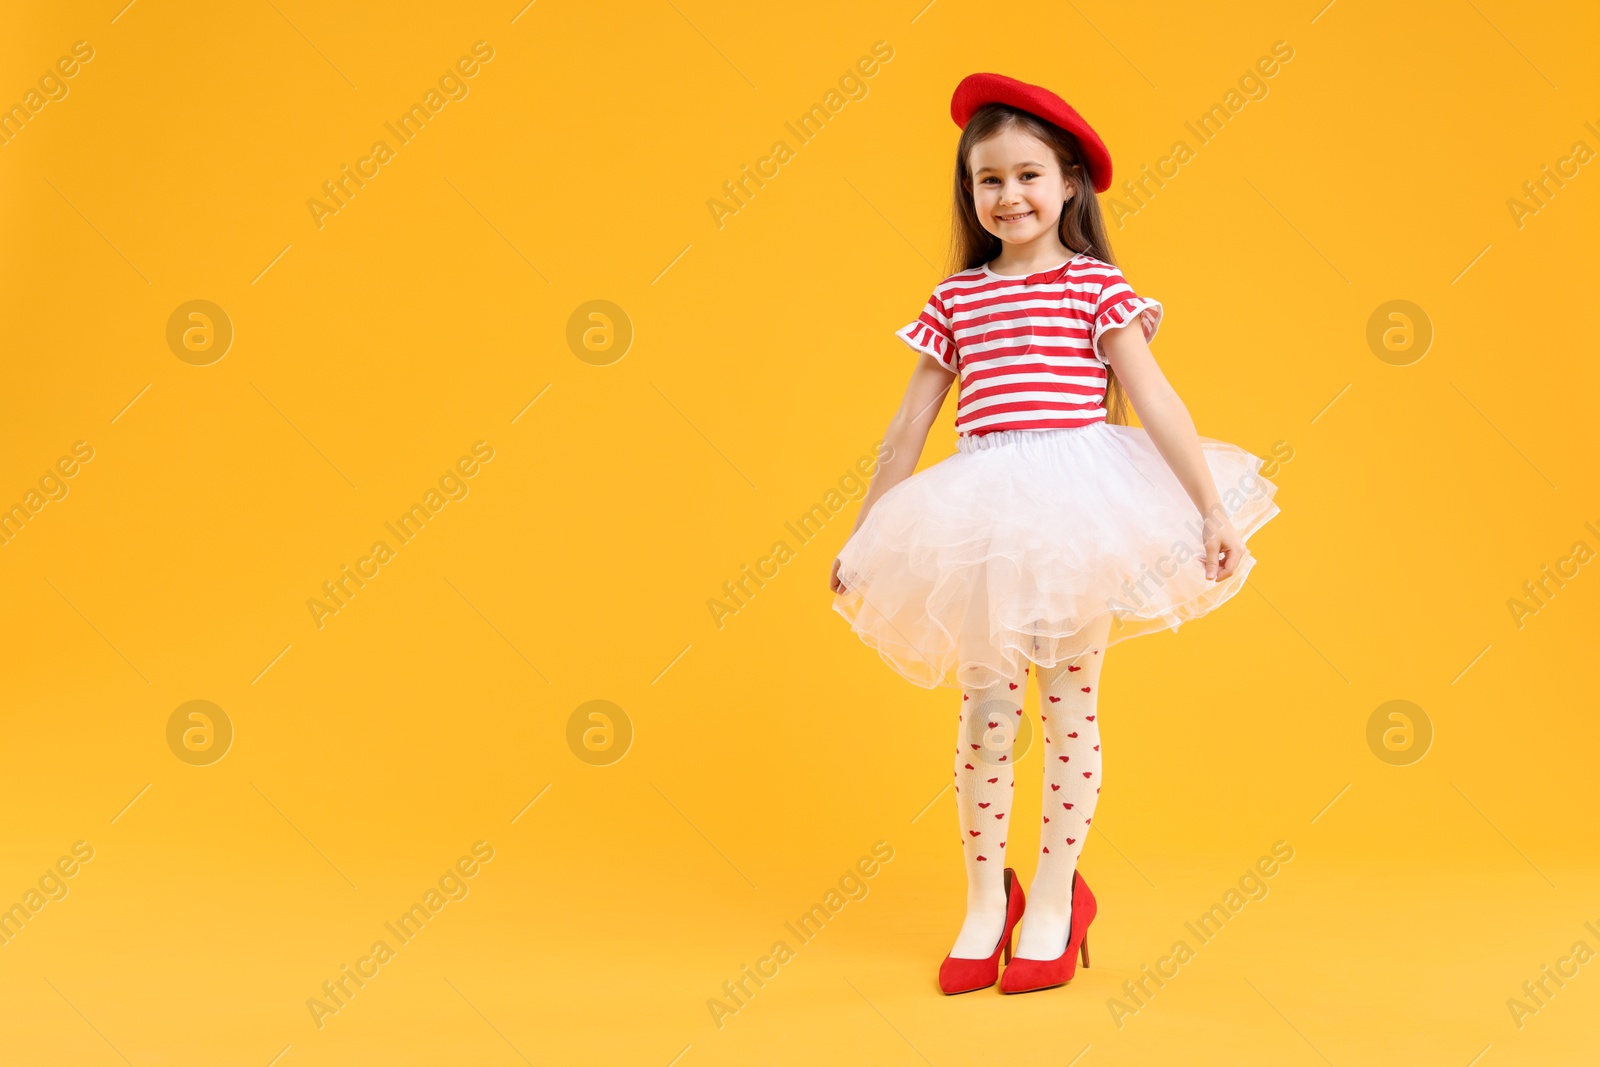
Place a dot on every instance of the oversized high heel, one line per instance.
(959, 974)
(1024, 975)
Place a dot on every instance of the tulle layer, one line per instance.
(1016, 549)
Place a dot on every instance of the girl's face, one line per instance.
(1018, 188)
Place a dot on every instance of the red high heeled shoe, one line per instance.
(962, 975)
(1024, 975)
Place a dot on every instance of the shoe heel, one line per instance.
(1083, 948)
(1005, 950)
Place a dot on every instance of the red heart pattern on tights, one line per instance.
(1054, 786)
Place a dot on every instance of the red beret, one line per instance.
(977, 90)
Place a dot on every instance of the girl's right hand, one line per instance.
(833, 579)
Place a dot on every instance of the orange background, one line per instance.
(739, 371)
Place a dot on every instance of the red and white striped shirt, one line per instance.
(1027, 346)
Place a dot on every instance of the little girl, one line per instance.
(1057, 529)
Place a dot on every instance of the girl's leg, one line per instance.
(1067, 698)
(988, 725)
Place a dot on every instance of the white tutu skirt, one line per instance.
(1024, 545)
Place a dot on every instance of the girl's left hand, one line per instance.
(1224, 548)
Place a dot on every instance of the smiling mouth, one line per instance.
(1014, 218)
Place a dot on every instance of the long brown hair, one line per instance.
(1082, 228)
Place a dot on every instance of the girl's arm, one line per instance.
(905, 438)
(1169, 425)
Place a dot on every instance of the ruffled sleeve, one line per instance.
(931, 333)
(1119, 305)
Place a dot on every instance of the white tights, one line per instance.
(984, 786)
